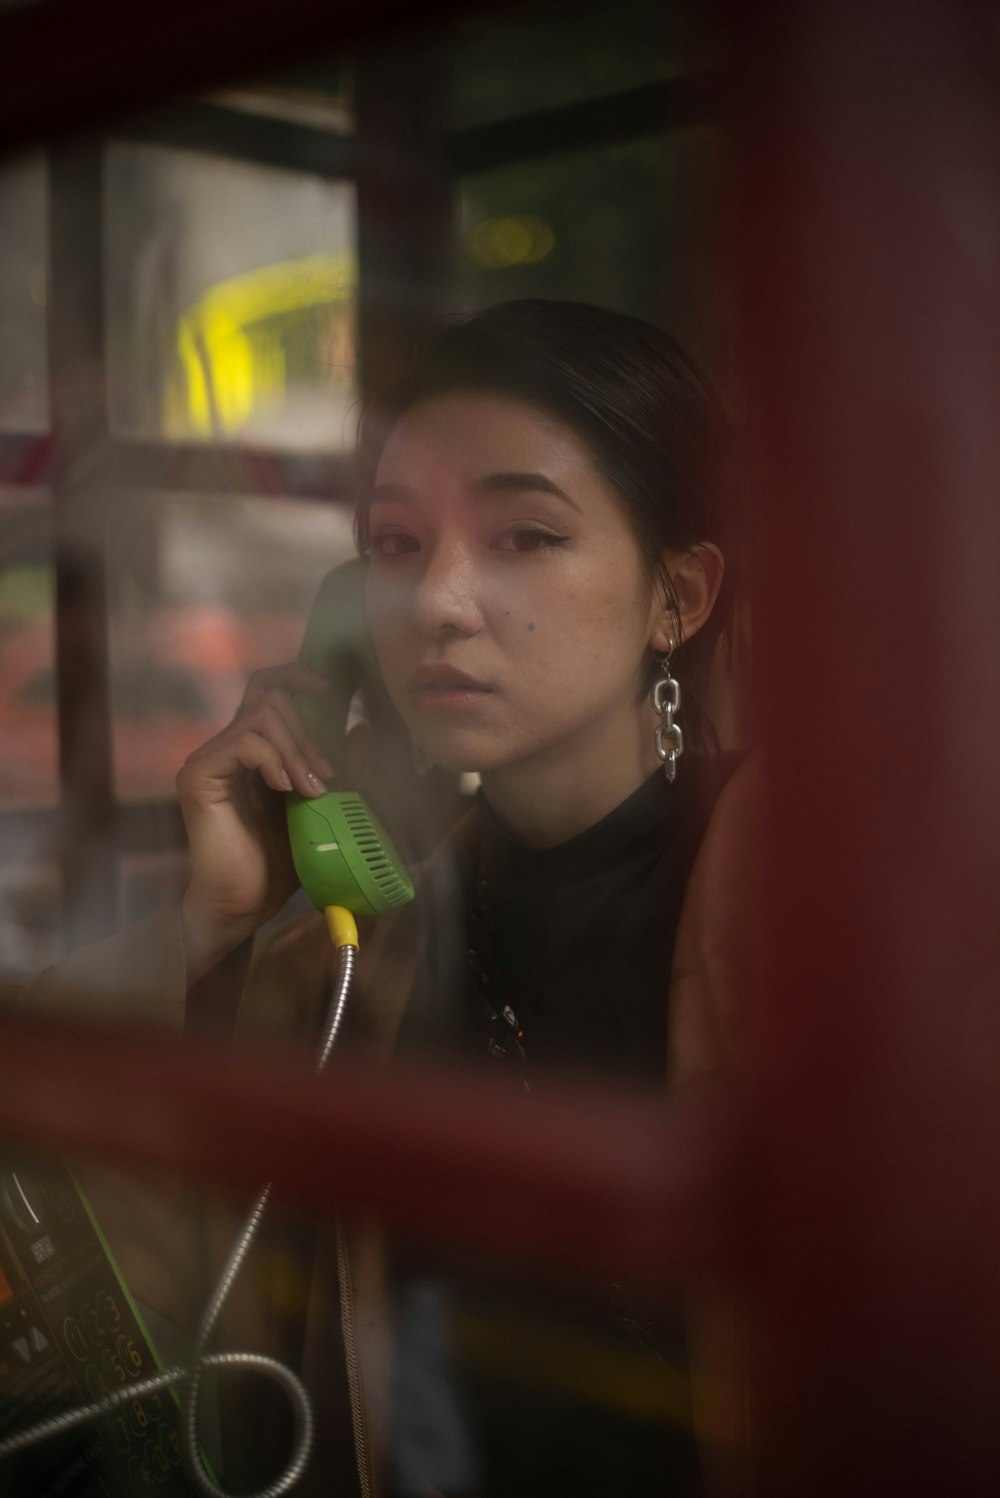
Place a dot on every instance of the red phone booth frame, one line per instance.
(842, 1183)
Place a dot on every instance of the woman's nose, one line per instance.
(446, 594)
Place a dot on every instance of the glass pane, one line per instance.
(203, 591)
(30, 912)
(232, 314)
(24, 396)
(29, 752)
(628, 227)
(511, 64)
(148, 880)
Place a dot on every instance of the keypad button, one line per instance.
(42, 1249)
(75, 1340)
(107, 1309)
(171, 1443)
(91, 1323)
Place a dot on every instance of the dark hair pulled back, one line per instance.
(650, 419)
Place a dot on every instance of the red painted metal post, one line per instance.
(866, 251)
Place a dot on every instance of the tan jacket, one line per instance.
(168, 1240)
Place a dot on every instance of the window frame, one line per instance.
(404, 239)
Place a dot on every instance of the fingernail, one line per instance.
(286, 780)
(316, 783)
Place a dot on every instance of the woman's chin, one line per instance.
(456, 764)
(447, 752)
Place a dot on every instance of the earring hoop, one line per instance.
(668, 738)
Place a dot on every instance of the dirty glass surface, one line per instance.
(24, 398)
(203, 590)
(567, 226)
(543, 56)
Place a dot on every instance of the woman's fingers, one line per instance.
(255, 752)
(241, 869)
(266, 737)
(275, 706)
(292, 676)
(270, 689)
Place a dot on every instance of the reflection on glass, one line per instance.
(513, 63)
(29, 764)
(24, 400)
(568, 227)
(76, 1335)
(231, 300)
(317, 94)
(29, 749)
(202, 592)
(147, 880)
(30, 910)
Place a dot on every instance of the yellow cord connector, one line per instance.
(341, 926)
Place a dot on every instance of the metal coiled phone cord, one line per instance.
(57, 1425)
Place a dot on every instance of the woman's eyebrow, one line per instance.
(507, 482)
(504, 483)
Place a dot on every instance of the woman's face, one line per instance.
(511, 612)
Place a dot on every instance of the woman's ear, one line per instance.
(696, 577)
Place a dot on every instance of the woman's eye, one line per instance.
(393, 543)
(528, 538)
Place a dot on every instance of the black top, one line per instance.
(582, 934)
(575, 943)
(575, 940)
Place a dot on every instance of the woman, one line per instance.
(545, 537)
(543, 540)
(542, 529)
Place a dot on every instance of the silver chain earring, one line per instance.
(667, 703)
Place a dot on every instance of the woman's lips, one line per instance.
(444, 686)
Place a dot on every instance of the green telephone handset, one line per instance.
(343, 856)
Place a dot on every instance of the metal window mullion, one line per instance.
(611, 119)
(215, 468)
(78, 401)
(403, 203)
(259, 140)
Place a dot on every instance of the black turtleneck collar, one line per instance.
(576, 939)
(635, 828)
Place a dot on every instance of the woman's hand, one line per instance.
(230, 796)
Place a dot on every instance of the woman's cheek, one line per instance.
(391, 662)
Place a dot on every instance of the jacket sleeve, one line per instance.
(137, 976)
(713, 956)
(715, 938)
